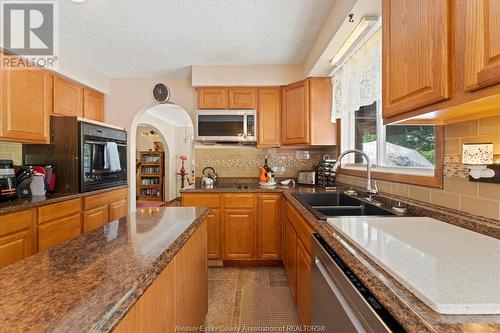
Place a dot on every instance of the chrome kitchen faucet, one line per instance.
(370, 191)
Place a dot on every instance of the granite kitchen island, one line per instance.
(91, 283)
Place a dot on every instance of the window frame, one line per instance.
(405, 175)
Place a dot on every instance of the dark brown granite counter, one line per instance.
(89, 283)
(409, 311)
(37, 201)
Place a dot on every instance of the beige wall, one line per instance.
(245, 75)
(11, 151)
(459, 193)
(130, 95)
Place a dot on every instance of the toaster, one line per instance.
(306, 177)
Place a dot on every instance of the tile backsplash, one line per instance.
(241, 161)
(482, 199)
(11, 151)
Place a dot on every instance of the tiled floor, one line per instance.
(250, 297)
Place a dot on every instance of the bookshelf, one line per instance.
(151, 174)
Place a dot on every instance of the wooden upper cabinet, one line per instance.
(242, 98)
(295, 126)
(17, 236)
(306, 113)
(415, 54)
(93, 104)
(212, 98)
(68, 98)
(26, 105)
(269, 117)
(482, 44)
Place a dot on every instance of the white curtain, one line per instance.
(358, 81)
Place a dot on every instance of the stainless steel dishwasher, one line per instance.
(340, 302)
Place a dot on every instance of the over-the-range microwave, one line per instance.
(226, 126)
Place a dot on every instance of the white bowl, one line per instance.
(267, 184)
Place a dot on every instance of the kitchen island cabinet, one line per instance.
(130, 275)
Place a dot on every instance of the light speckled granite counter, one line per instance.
(453, 270)
(87, 284)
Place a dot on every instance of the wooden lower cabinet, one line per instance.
(214, 220)
(178, 296)
(269, 226)
(290, 256)
(297, 240)
(94, 218)
(58, 223)
(239, 234)
(17, 236)
(241, 226)
(117, 209)
(103, 208)
(303, 294)
(57, 231)
(214, 240)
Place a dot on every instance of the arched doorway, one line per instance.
(176, 128)
(152, 157)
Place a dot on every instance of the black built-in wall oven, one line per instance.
(87, 156)
(95, 145)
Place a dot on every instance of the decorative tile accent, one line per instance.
(245, 161)
(453, 166)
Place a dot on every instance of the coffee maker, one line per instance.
(7, 180)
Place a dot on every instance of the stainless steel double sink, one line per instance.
(334, 204)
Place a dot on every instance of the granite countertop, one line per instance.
(87, 284)
(11, 206)
(411, 312)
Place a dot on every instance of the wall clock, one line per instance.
(161, 93)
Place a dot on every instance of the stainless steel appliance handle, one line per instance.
(103, 143)
(345, 305)
(245, 126)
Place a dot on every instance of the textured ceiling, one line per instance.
(127, 38)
